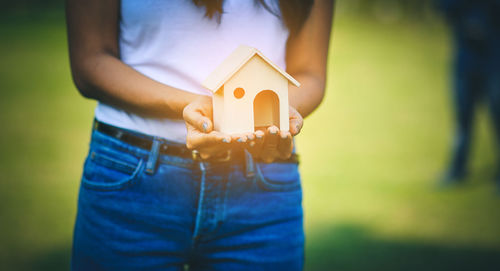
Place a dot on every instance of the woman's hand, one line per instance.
(268, 145)
(271, 143)
(200, 134)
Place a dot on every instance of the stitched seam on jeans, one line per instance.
(112, 163)
(116, 185)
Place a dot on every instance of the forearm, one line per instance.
(306, 58)
(309, 95)
(105, 78)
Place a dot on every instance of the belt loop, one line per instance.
(249, 165)
(153, 156)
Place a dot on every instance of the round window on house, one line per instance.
(239, 93)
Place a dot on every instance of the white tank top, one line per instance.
(174, 43)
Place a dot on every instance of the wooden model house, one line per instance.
(249, 92)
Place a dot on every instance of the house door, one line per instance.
(266, 109)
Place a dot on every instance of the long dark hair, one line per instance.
(293, 12)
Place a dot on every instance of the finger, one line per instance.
(285, 146)
(250, 136)
(258, 141)
(296, 121)
(271, 140)
(259, 135)
(250, 139)
(295, 126)
(199, 115)
(197, 140)
(240, 139)
(200, 122)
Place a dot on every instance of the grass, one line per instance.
(370, 155)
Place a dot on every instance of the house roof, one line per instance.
(234, 62)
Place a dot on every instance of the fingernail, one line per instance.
(251, 136)
(273, 131)
(225, 140)
(241, 140)
(205, 127)
(284, 135)
(259, 136)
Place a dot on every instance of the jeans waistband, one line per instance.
(155, 147)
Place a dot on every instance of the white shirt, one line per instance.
(172, 42)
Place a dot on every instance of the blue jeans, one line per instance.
(476, 76)
(205, 215)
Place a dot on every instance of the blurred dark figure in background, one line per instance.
(476, 76)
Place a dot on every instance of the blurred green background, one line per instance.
(371, 154)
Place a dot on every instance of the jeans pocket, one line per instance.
(278, 177)
(106, 170)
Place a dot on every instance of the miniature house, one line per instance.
(249, 92)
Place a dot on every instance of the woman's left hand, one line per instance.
(272, 144)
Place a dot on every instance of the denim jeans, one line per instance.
(476, 76)
(208, 216)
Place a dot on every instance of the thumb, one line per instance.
(296, 121)
(195, 117)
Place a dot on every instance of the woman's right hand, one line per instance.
(200, 134)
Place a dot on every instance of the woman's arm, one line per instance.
(98, 72)
(306, 58)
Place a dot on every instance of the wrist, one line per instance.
(175, 104)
